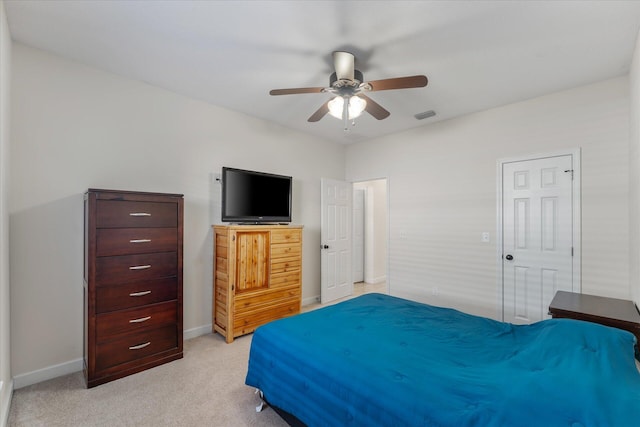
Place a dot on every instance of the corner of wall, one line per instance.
(634, 175)
(6, 383)
(48, 373)
(6, 393)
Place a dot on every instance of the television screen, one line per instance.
(249, 196)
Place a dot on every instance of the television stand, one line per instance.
(260, 223)
(257, 276)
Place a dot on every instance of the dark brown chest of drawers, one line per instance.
(132, 282)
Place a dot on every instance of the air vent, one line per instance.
(425, 115)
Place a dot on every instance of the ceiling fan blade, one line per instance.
(320, 113)
(294, 91)
(399, 83)
(373, 108)
(344, 63)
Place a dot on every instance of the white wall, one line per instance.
(5, 351)
(75, 127)
(634, 175)
(442, 191)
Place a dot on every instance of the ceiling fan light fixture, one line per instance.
(356, 106)
(335, 107)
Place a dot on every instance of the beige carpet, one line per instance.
(205, 388)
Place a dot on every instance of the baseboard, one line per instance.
(311, 300)
(47, 373)
(51, 372)
(6, 393)
(187, 334)
(376, 280)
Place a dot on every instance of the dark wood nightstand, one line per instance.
(618, 313)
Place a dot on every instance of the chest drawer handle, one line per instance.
(139, 214)
(139, 346)
(140, 267)
(140, 320)
(139, 240)
(139, 294)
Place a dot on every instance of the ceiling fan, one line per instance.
(349, 86)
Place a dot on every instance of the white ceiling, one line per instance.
(476, 54)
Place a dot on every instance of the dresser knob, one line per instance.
(140, 320)
(139, 294)
(140, 267)
(139, 346)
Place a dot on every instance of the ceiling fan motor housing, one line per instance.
(357, 78)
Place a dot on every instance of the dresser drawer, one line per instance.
(132, 268)
(249, 304)
(285, 236)
(247, 322)
(289, 278)
(117, 213)
(124, 241)
(111, 298)
(135, 346)
(285, 265)
(135, 319)
(280, 251)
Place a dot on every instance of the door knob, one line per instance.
(509, 257)
(324, 247)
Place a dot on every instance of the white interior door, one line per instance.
(335, 240)
(358, 235)
(538, 235)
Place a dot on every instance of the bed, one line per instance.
(378, 360)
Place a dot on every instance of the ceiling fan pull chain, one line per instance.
(345, 113)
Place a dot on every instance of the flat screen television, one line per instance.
(255, 197)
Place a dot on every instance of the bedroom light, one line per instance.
(355, 105)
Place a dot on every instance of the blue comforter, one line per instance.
(378, 360)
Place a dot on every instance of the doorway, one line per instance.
(539, 233)
(370, 236)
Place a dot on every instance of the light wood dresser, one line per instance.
(257, 276)
(132, 282)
